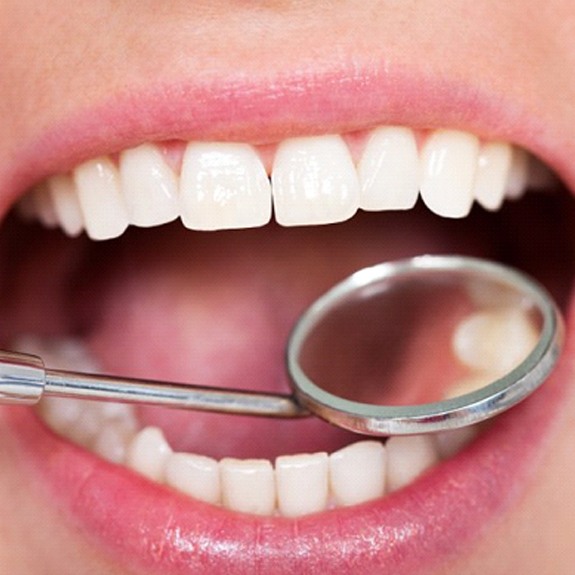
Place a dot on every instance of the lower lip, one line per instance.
(144, 526)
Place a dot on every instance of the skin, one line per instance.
(522, 49)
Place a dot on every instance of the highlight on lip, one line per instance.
(314, 180)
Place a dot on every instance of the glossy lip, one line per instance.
(405, 532)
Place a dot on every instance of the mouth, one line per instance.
(266, 224)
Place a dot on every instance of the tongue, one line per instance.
(216, 309)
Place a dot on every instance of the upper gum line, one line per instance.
(314, 180)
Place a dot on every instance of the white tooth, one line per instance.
(314, 181)
(103, 209)
(248, 485)
(493, 168)
(302, 483)
(389, 170)
(357, 473)
(148, 453)
(149, 186)
(223, 186)
(448, 163)
(518, 174)
(195, 475)
(66, 204)
(494, 341)
(450, 443)
(112, 441)
(407, 458)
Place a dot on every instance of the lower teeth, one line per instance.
(297, 484)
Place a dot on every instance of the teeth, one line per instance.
(494, 341)
(248, 485)
(302, 483)
(492, 174)
(408, 458)
(66, 204)
(148, 453)
(149, 186)
(223, 186)
(389, 170)
(195, 475)
(357, 473)
(314, 181)
(101, 201)
(449, 162)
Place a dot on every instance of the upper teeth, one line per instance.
(314, 180)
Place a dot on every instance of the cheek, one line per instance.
(537, 536)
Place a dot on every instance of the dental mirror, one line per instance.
(413, 346)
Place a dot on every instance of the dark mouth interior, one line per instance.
(216, 308)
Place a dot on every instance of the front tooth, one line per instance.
(149, 186)
(408, 457)
(494, 341)
(223, 186)
(66, 204)
(148, 453)
(449, 161)
(388, 170)
(195, 475)
(103, 209)
(493, 168)
(357, 473)
(248, 485)
(314, 181)
(302, 483)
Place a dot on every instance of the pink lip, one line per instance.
(267, 109)
(147, 527)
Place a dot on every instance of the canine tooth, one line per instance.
(61, 414)
(195, 475)
(357, 473)
(223, 186)
(149, 186)
(518, 174)
(103, 209)
(407, 458)
(314, 181)
(388, 170)
(302, 483)
(148, 452)
(450, 443)
(494, 341)
(66, 204)
(539, 176)
(248, 485)
(469, 384)
(493, 168)
(449, 161)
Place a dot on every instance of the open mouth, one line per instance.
(174, 492)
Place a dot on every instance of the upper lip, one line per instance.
(268, 110)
